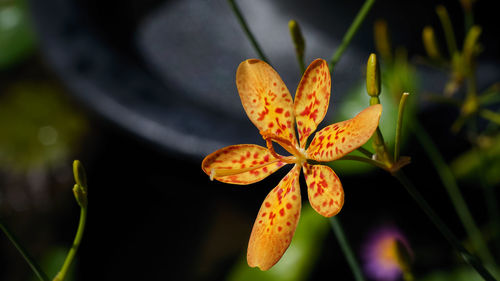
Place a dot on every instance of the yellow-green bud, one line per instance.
(80, 193)
(444, 18)
(382, 40)
(471, 43)
(79, 173)
(430, 44)
(80, 188)
(297, 38)
(373, 86)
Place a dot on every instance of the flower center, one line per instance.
(299, 154)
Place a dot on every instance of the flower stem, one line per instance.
(246, 29)
(399, 125)
(358, 20)
(448, 180)
(27, 257)
(365, 160)
(445, 231)
(346, 249)
(74, 248)
(490, 197)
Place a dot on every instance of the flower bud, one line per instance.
(79, 173)
(297, 38)
(382, 40)
(80, 193)
(471, 45)
(373, 86)
(430, 44)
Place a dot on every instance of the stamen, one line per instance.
(286, 144)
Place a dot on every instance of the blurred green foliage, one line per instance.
(298, 261)
(397, 78)
(38, 126)
(17, 38)
(485, 158)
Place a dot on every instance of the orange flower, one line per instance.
(270, 107)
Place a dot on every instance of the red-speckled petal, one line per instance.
(240, 164)
(312, 99)
(276, 222)
(339, 139)
(326, 195)
(266, 99)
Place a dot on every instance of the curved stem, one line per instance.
(27, 257)
(247, 31)
(399, 126)
(346, 249)
(440, 225)
(74, 248)
(358, 20)
(448, 180)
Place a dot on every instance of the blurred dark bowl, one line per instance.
(164, 70)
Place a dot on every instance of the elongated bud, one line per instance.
(297, 38)
(449, 35)
(382, 40)
(79, 173)
(80, 188)
(373, 76)
(80, 193)
(471, 42)
(430, 43)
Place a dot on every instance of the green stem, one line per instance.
(302, 65)
(27, 257)
(488, 190)
(365, 160)
(448, 180)
(247, 31)
(399, 126)
(346, 249)
(365, 151)
(490, 197)
(74, 248)
(445, 231)
(358, 20)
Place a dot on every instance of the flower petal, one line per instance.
(240, 164)
(312, 99)
(276, 222)
(339, 139)
(326, 195)
(266, 99)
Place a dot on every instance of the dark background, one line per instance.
(153, 213)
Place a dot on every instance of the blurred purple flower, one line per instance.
(386, 254)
